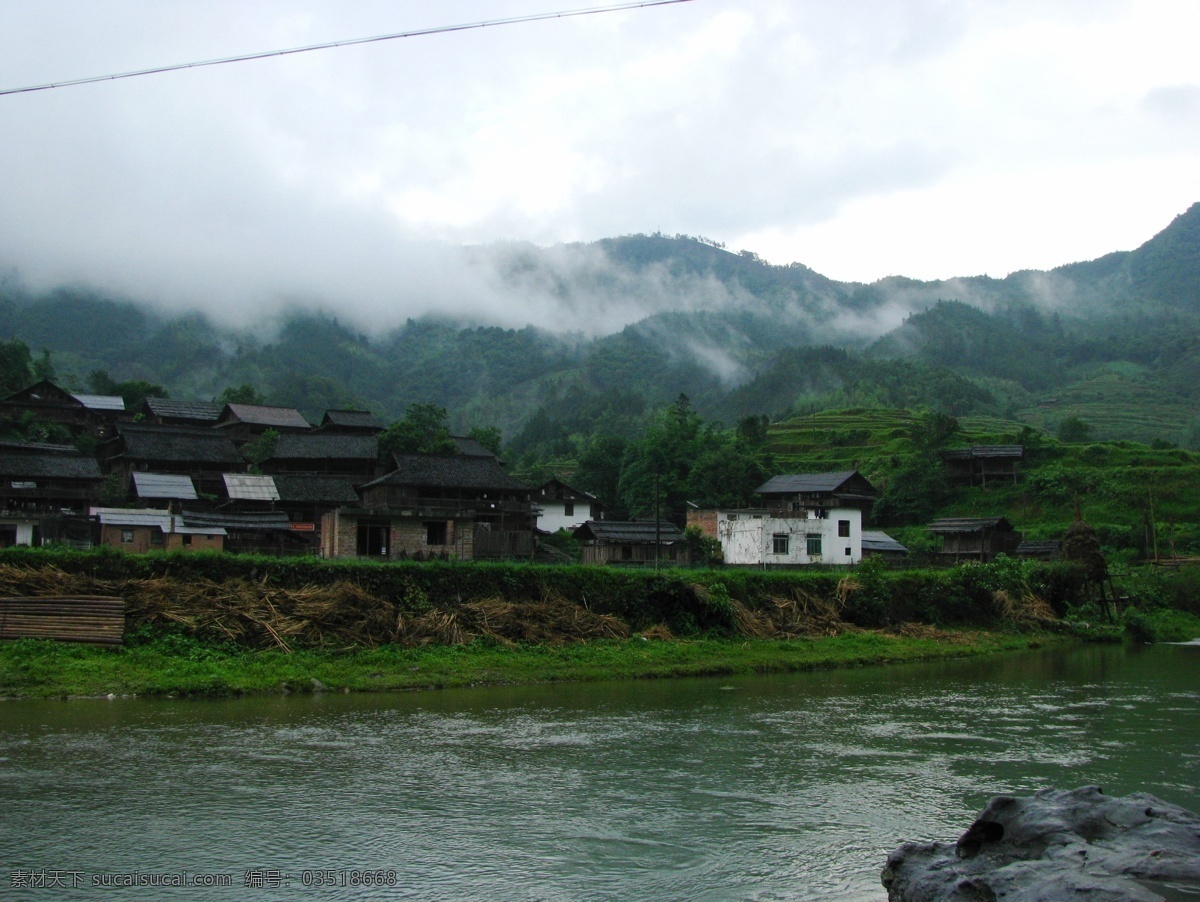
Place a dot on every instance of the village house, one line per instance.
(350, 421)
(979, 464)
(353, 456)
(39, 483)
(245, 422)
(461, 506)
(78, 413)
(145, 530)
(806, 519)
(632, 543)
(974, 538)
(205, 455)
(563, 507)
(165, 412)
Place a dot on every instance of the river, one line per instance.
(772, 787)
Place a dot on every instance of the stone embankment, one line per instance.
(1058, 844)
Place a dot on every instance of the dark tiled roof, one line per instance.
(316, 489)
(449, 471)
(38, 448)
(631, 531)
(325, 446)
(470, 447)
(881, 542)
(969, 524)
(238, 521)
(21, 466)
(203, 411)
(1010, 452)
(261, 415)
(350, 419)
(181, 444)
(808, 483)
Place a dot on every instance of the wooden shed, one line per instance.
(974, 538)
(980, 464)
(632, 542)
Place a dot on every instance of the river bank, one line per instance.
(179, 665)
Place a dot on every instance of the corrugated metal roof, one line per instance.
(164, 520)
(264, 520)
(164, 485)
(250, 487)
(101, 402)
(206, 411)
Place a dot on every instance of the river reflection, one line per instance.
(780, 787)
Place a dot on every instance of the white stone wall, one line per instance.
(751, 540)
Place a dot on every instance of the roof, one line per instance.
(881, 543)
(630, 531)
(812, 483)
(164, 520)
(201, 411)
(325, 446)
(449, 471)
(264, 520)
(1035, 548)
(969, 524)
(101, 402)
(351, 419)
(554, 489)
(471, 447)
(38, 448)
(164, 485)
(316, 489)
(189, 444)
(250, 487)
(20, 465)
(261, 415)
(1015, 452)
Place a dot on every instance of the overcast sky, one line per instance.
(863, 139)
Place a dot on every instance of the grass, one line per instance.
(178, 665)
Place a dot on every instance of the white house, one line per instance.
(825, 536)
(810, 518)
(563, 507)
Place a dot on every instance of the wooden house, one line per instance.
(632, 543)
(817, 493)
(245, 422)
(350, 421)
(435, 504)
(39, 483)
(78, 413)
(974, 538)
(203, 454)
(165, 412)
(306, 499)
(252, 532)
(353, 456)
(563, 507)
(980, 464)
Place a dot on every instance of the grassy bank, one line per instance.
(176, 664)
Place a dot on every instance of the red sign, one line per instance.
(304, 527)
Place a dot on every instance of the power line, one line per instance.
(440, 29)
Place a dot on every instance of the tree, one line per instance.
(1073, 429)
(425, 429)
(242, 394)
(16, 367)
(262, 448)
(488, 436)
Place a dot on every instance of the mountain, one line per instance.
(1103, 340)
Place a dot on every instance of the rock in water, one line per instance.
(1058, 844)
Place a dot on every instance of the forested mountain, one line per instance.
(1113, 341)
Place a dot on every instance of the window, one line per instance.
(157, 537)
(627, 552)
(814, 546)
(844, 528)
(849, 553)
(435, 533)
(126, 536)
(187, 541)
(779, 543)
(569, 509)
